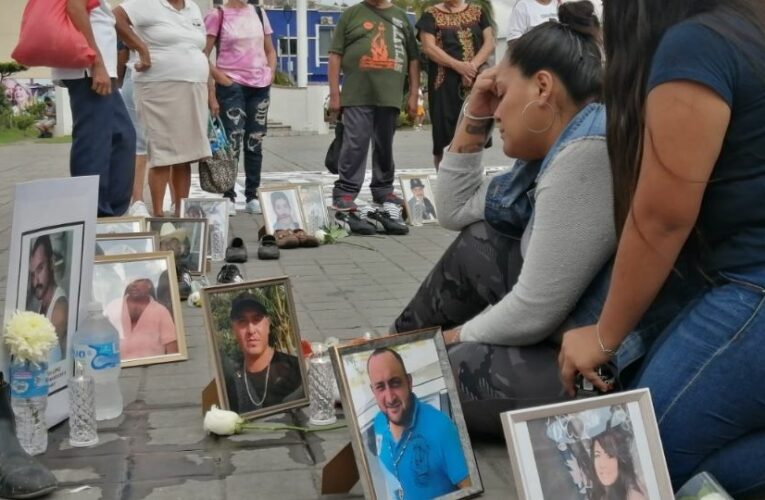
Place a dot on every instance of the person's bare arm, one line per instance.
(60, 318)
(270, 55)
(487, 49)
(130, 38)
(171, 347)
(78, 14)
(333, 75)
(414, 88)
(439, 56)
(122, 58)
(465, 483)
(685, 127)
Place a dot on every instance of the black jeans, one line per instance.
(479, 268)
(244, 113)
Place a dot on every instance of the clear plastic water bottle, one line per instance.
(97, 346)
(83, 430)
(29, 399)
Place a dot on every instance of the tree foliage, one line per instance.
(9, 68)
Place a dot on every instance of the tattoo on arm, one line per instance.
(480, 129)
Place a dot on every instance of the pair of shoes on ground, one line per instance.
(373, 220)
(251, 207)
(236, 253)
(347, 203)
(294, 238)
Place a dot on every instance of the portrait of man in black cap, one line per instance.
(421, 207)
(265, 376)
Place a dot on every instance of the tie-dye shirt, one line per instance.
(242, 53)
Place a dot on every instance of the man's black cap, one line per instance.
(246, 301)
(416, 183)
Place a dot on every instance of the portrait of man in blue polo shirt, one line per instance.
(416, 443)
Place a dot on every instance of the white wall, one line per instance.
(302, 108)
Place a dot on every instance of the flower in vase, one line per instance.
(30, 336)
(222, 422)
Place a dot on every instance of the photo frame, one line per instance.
(588, 445)
(237, 318)
(421, 391)
(215, 210)
(185, 237)
(144, 285)
(281, 208)
(127, 224)
(314, 207)
(419, 199)
(126, 243)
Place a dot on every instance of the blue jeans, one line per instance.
(706, 373)
(244, 113)
(103, 144)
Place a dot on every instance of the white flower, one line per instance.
(29, 336)
(195, 300)
(222, 422)
(713, 496)
(320, 235)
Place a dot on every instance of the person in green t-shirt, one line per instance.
(375, 47)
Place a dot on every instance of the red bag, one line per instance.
(48, 37)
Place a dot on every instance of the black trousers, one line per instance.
(479, 268)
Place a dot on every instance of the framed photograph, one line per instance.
(314, 207)
(139, 296)
(255, 341)
(602, 447)
(281, 208)
(51, 243)
(126, 243)
(418, 196)
(186, 238)
(109, 225)
(407, 429)
(215, 210)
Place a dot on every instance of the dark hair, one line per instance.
(279, 195)
(152, 290)
(383, 350)
(632, 32)
(616, 444)
(44, 243)
(569, 47)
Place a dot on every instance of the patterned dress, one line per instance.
(459, 34)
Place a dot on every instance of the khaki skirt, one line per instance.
(174, 118)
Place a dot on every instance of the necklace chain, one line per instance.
(247, 385)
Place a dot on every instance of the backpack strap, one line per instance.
(220, 27)
(259, 12)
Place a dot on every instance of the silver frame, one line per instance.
(521, 464)
(320, 187)
(212, 336)
(129, 236)
(337, 354)
(200, 270)
(184, 207)
(401, 179)
(177, 312)
(121, 220)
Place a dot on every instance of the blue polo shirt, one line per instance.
(428, 460)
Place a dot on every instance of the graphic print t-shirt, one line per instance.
(376, 46)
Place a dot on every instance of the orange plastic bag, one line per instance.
(48, 38)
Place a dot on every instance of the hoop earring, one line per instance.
(538, 131)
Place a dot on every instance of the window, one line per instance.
(326, 33)
(283, 46)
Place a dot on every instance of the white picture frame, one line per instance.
(215, 210)
(281, 208)
(419, 199)
(314, 207)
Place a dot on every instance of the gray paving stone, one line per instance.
(282, 458)
(176, 489)
(284, 485)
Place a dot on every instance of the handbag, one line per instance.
(48, 38)
(217, 174)
(332, 159)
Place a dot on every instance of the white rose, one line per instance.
(713, 496)
(320, 235)
(222, 422)
(194, 300)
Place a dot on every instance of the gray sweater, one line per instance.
(570, 238)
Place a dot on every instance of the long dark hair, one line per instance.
(632, 32)
(569, 47)
(616, 444)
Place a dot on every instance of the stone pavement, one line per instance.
(157, 449)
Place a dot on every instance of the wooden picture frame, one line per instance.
(289, 198)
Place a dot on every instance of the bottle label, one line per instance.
(98, 356)
(29, 381)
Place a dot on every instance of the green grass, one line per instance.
(14, 135)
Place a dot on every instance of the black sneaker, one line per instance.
(389, 198)
(184, 281)
(344, 203)
(387, 222)
(230, 273)
(353, 223)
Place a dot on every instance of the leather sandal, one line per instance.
(268, 249)
(306, 240)
(285, 238)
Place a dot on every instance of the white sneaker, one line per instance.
(231, 208)
(138, 209)
(253, 207)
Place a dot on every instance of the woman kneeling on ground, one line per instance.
(532, 239)
(686, 83)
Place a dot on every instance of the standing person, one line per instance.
(375, 47)
(243, 71)
(457, 38)
(103, 139)
(687, 143)
(171, 96)
(529, 13)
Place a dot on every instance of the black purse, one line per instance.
(332, 159)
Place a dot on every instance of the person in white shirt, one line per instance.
(103, 138)
(529, 13)
(170, 89)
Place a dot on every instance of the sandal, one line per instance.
(306, 240)
(268, 249)
(285, 238)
